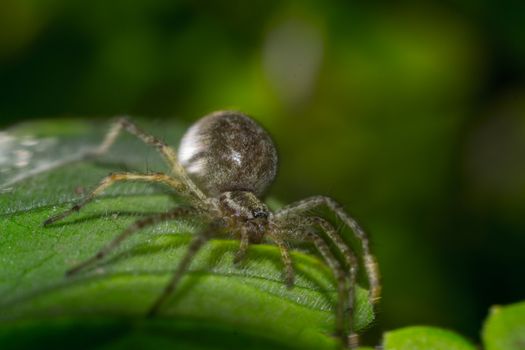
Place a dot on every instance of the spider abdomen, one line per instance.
(228, 151)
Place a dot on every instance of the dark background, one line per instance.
(412, 115)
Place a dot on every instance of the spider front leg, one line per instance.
(133, 228)
(338, 273)
(112, 179)
(296, 228)
(286, 258)
(370, 263)
(243, 246)
(273, 234)
(351, 262)
(166, 151)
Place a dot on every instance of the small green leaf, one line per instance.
(504, 329)
(425, 338)
(42, 174)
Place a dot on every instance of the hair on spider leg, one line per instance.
(224, 165)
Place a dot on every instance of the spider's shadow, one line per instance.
(213, 259)
(214, 256)
(106, 214)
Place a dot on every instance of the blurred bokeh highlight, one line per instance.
(412, 115)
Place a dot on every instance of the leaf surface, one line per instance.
(217, 305)
(504, 329)
(425, 338)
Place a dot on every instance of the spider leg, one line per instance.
(117, 177)
(338, 272)
(243, 247)
(133, 228)
(166, 151)
(351, 262)
(370, 263)
(289, 276)
(195, 245)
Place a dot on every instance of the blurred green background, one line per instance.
(412, 115)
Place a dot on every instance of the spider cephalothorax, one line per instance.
(245, 212)
(225, 163)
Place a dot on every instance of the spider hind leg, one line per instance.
(111, 180)
(168, 153)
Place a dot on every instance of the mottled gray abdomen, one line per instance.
(228, 151)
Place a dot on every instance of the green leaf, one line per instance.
(42, 173)
(425, 338)
(504, 329)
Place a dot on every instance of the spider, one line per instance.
(224, 164)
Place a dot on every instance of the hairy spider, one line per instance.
(224, 164)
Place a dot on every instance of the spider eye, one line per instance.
(260, 213)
